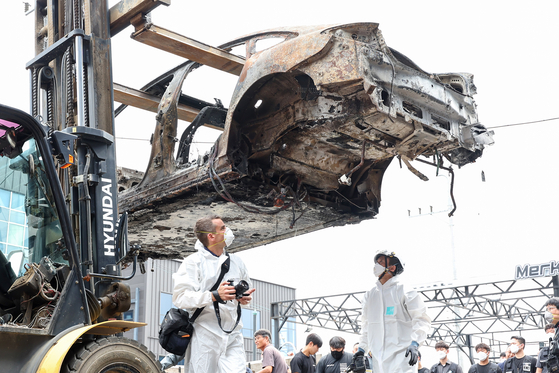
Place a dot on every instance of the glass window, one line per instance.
(17, 217)
(4, 214)
(18, 201)
(165, 304)
(248, 317)
(4, 198)
(26, 237)
(28, 197)
(288, 336)
(3, 231)
(15, 234)
(12, 248)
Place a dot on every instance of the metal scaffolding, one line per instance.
(463, 315)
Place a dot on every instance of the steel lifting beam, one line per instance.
(142, 100)
(191, 49)
(121, 14)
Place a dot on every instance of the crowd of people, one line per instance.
(513, 360)
(394, 322)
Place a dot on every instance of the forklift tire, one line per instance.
(111, 355)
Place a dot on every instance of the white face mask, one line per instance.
(441, 354)
(228, 237)
(378, 270)
(514, 349)
(482, 356)
(551, 318)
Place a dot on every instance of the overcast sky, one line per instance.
(511, 49)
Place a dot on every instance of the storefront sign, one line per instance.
(537, 270)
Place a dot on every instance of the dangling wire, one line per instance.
(451, 171)
(224, 193)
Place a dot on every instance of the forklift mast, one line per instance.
(71, 92)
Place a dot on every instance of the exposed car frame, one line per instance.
(313, 123)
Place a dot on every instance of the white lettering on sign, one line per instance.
(108, 221)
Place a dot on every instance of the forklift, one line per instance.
(62, 242)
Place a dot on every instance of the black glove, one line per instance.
(357, 362)
(413, 352)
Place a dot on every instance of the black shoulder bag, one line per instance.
(177, 327)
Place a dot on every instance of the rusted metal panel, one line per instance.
(122, 13)
(165, 229)
(182, 181)
(180, 45)
(162, 158)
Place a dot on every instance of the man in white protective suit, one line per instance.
(394, 321)
(211, 348)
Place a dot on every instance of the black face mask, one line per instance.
(337, 354)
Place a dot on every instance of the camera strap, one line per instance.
(216, 303)
(223, 270)
(216, 307)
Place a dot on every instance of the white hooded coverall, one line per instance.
(391, 319)
(211, 349)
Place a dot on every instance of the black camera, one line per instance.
(240, 288)
(553, 357)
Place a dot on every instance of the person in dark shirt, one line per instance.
(520, 362)
(484, 366)
(541, 365)
(444, 365)
(337, 360)
(502, 359)
(304, 361)
(507, 355)
(552, 317)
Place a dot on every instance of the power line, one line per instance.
(489, 128)
(520, 124)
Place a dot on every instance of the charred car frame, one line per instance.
(313, 123)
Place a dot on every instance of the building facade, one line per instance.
(152, 297)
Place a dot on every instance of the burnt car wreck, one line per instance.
(313, 124)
